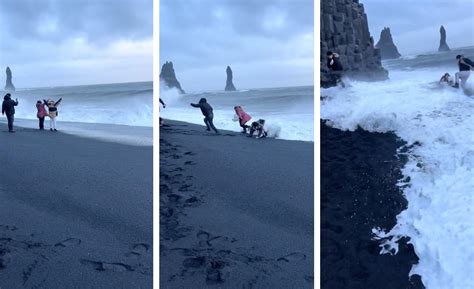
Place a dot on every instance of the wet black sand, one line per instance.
(359, 173)
(235, 212)
(74, 212)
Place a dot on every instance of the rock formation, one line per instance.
(345, 30)
(388, 50)
(168, 76)
(443, 46)
(9, 84)
(229, 86)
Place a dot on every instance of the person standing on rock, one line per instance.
(206, 110)
(335, 66)
(465, 66)
(164, 106)
(8, 108)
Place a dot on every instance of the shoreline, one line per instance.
(74, 207)
(114, 133)
(234, 211)
(369, 197)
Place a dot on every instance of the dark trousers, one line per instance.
(244, 127)
(41, 122)
(208, 121)
(10, 119)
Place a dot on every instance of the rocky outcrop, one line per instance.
(168, 76)
(388, 50)
(345, 30)
(9, 84)
(229, 86)
(443, 46)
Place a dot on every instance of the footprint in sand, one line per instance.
(203, 238)
(296, 256)
(8, 228)
(174, 198)
(194, 262)
(192, 201)
(184, 188)
(68, 242)
(104, 266)
(166, 212)
(138, 249)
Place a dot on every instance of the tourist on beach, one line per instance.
(335, 66)
(242, 117)
(164, 106)
(41, 114)
(258, 126)
(52, 112)
(465, 66)
(206, 110)
(8, 108)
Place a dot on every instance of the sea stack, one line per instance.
(9, 84)
(229, 86)
(388, 50)
(443, 46)
(168, 76)
(345, 30)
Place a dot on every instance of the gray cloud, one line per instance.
(50, 38)
(257, 37)
(95, 20)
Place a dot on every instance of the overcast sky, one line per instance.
(69, 42)
(415, 24)
(268, 43)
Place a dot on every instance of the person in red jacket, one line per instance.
(243, 118)
(41, 114)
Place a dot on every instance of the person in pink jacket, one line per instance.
(243, 118)
(41, 114)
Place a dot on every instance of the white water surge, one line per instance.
(288, 110)
(439, 219)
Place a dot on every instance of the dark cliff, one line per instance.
(229, 86)
(443, 46)
(168, 76)
(9, 84)
(388, 50)
(345, 30)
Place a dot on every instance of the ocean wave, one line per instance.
(291, 109)
(439, 177)
(124, 103)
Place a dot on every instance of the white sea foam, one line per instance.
(125, 103)
(440, 214)
(129, 135)
(287, 111)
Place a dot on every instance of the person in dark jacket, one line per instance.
(164, 106)
(206, 110)
(8, 108)
(258, 126)
(333, 61)
(335, 67)
(465, 66)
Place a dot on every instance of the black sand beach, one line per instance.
(74, 212)
(236, 212)
(359, 173)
